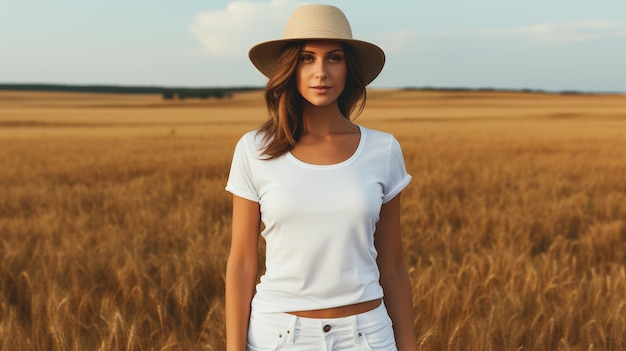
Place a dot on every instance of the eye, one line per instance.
(335, 58)
(306, 58)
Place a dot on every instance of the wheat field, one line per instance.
(114, 222)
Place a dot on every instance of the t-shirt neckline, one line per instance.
(350, 159)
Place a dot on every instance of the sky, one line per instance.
(551, 45)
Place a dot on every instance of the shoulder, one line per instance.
(249, 146)
(377, 137)
(252, 136)
(251, 141)
(377, 134)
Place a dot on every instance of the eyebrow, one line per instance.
(330, 52)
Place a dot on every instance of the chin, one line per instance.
(321, 101)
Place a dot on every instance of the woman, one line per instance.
(328, 194)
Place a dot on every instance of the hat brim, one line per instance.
(371, 58)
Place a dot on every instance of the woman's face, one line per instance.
(321, 72)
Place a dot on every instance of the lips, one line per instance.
(320, 89)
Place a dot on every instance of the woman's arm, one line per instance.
(394, 277)
(241, 271)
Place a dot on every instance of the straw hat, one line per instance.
(316, 22)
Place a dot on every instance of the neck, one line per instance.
(324, 120)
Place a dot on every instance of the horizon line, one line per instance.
(159, 89)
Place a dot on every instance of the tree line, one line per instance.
(168, 93)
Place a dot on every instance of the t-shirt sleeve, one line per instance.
(240, 180)
(398, 176)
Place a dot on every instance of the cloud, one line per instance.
(574, 32)
(232, 31)
(537, 34)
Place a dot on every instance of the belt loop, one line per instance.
(291, 332)
(356, 334)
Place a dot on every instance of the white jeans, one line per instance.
(371, 331)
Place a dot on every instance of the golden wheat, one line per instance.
(114, 224)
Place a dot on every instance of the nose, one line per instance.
(320, 69)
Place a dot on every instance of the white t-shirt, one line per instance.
(319, 221)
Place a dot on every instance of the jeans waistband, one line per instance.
(323, 326)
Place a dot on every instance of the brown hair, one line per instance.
(284, 103)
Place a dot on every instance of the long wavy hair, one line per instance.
(284, 103)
